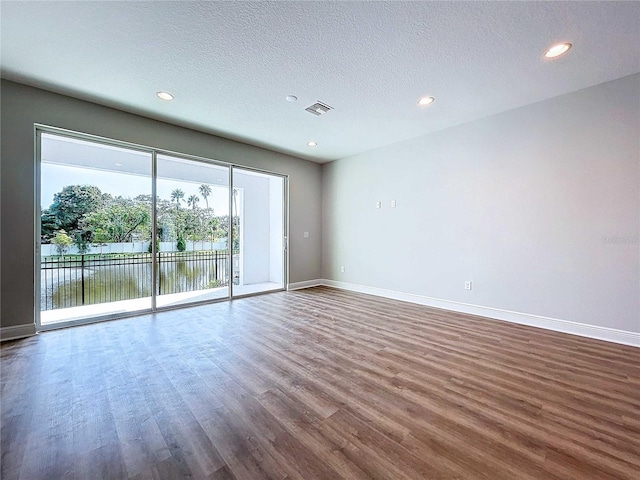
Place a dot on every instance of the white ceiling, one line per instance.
(231, 64)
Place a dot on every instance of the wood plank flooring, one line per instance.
(318, 384)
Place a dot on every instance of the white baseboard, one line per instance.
(582, 329)
(306, 284)
(18, 331)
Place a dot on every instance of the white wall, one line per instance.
(261, 227)
(22, 106)
(133, 247)
(254, 229)
(525, 204)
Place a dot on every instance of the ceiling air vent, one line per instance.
(319, 108)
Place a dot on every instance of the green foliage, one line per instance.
(192, 201)
(73, 203)
(205, 191)
(214, 284)
(150, 247)
(62, 241)
(92, 216)
(122, 220)
(83, 239)
(181, 245)
(176, 196)
(48, 225)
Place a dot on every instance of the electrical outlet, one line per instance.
(306, 235)
(467, 285)
(342, 269)
(378, 204)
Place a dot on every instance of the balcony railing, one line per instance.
(75, 280)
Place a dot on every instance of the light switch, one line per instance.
(393, 204)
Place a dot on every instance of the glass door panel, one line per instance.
(192, 231)
(95, 229)
(102, 254)
(258, 262)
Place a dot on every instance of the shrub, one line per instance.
(150, 247)
(181, 245)
(213, 284)
(62, 241)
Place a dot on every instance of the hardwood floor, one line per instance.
(318, 384)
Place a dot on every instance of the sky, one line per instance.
(55, 177)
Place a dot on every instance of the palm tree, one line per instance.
(205, 191)
(192, 201)
(177, 195)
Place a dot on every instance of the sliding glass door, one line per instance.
(96, 212)
(192, 231)
(259, 241)
(127, 229)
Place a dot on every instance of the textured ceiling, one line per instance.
(230, 64)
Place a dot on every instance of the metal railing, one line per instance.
(75, 280)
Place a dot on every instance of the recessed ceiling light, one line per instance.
(291, 98)
(118, 164)
(424, 101)
(312, 144)
(557, 50)
(166, 96)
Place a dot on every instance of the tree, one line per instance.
(181, 245)
(205, 191)
(70, 206)
(122, 220)
(150, 247)
(192, 201)
(176, 196)
(62, 241)
(48, 226)
(213, 225)
(83, 237)
(222, 231)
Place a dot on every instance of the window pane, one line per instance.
(193, 219)
(258, 219)
(95, 229)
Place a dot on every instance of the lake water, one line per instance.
(128, 278)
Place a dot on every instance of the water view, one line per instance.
(77, 280)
